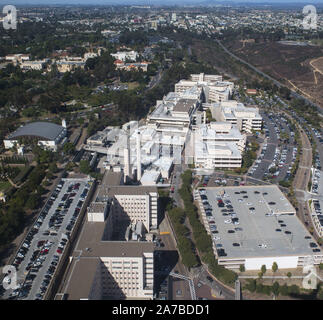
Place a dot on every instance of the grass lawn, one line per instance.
(131, 85)
(4, 185)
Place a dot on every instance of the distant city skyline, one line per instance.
(154, 2)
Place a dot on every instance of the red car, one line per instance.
(59, 251)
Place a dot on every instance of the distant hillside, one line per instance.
(299, 67)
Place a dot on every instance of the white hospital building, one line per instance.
(245, 118)
(214, 88)
(114, 256)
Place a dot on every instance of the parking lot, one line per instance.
(40, 253)
(276, 158)
(253, 221)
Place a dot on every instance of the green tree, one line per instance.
(251, 285)
(242, 268)
(85, 166)
(275, 288)
(53, 167)
(274, 267)
(319, 295)
(68, 148)
(283, 290)
(293, 290)
(33, 201)
(263, 269)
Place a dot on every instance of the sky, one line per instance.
(153, 2)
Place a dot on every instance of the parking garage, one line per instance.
(255, 226)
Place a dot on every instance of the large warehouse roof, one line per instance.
(44, 130)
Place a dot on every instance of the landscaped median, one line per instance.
(199, 247)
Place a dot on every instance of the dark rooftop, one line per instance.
(44, 130)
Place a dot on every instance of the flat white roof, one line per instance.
(282, 233)
(150, 177)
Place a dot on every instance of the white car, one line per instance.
(228, 221)
(216, 238)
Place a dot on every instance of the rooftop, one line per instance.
(281, 232)
(184, 105)
(44, 130)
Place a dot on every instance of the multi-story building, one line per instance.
(201, 77)
(114, 255)
(68, 66)
(33, 65)
(17, 58)
(220, 132)
(211, 154)
(245, 118)
(214, 89)
(101, 269)
(130, 204)
(125, 55)
(174, 114)
(131, 66)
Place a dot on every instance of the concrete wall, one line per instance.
(282, 262)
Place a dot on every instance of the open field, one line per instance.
(131, 85)
(209, 52)
(299, 67)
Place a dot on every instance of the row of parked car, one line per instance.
(316, 180)
(26, 244)
(48, 277)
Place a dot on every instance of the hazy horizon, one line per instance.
(152, 2)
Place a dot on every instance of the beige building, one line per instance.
(131, 204)
(125, 55)
(245, 118)
(214, 88)
(17, 58)
(68, 66)
(108, 270)
(114, 255)
(33, 65)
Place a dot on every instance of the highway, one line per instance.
(277, 83)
